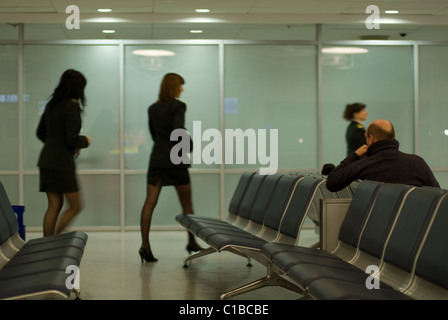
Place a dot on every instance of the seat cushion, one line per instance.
(333, 289)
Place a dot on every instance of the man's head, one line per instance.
(379, 130)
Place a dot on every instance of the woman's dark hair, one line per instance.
(71, 86)
(350, 109)
(170, 86)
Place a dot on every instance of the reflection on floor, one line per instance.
(111, 269)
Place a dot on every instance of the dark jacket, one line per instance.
(58, 129)
(385, 163)
(163, 118)
(355, 136)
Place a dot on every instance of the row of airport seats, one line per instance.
(263, 209)
(41, 268)
(391, 244)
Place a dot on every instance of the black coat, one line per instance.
(163, 118)
(385, 163)
(58, 129)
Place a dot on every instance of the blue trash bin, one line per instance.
(19, 210)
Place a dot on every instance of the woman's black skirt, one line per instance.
(57, 181)
(169, 176)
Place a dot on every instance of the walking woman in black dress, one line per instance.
(58, 129)
(165, 116)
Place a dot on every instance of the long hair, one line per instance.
(170, 86)
(350, 109)
(71, 86)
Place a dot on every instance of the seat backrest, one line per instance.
(387, 206)
(353, 186)
(8, 220)
(280, 200)
(341, 194)
(432, 261)
(358, 211)
(345, 193)
(240, 192)
(300, 204)
(263, 198)
(417, 211)
(324, 193)
(245, 207)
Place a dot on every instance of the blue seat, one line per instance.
(35, 267)
(239, 194)
(393, 251)
(431, 267)
(351, 228)
(283, 231)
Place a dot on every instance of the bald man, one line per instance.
(380, 160)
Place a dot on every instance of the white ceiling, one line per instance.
(227, 19)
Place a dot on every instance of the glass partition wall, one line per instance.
(285, 98)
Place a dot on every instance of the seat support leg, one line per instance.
(237, 252)
(271, 279)
(197, 255)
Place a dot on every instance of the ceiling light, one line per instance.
(105, 20)
(153, 52)
(108, 31)
(104, 10)
(391, 11)
(202, 19)
(196, 31)
(344, 50)
(202, 10)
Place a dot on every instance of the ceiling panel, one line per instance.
(228, 19)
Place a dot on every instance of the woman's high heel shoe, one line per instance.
(193, 248)
(146, 255)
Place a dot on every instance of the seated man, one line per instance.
(380, 160)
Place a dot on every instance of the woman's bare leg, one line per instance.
(55, 203)
(74, 207)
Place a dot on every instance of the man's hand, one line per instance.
(362, 150)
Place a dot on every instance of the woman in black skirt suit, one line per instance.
(355, 135)
(58, 129)
(165, 115)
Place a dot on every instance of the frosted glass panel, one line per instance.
(198, 65)
(205, 189)
(100, 195)
(11, 185)
(382, 79)
(9, 32)
(442, 178)
(273, 87)
(433, 115)
(43, 67)
(9, 108)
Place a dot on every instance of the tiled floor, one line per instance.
(111, 269)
